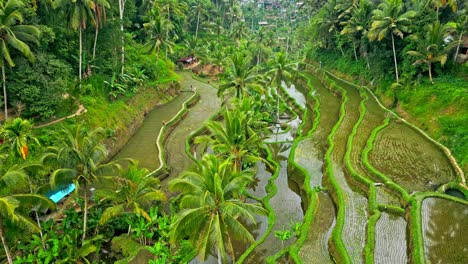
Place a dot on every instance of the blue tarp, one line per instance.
(56, 196)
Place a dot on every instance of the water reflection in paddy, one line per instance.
(142, 146)
(445, 231)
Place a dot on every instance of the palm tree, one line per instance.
(13, 203)
(239, 31)
(157, 28)
(190, 44)
(122, 37)
(358, 24)
(80, 157)
(217, 26)
(443, 3)
(18, 134)
(281, 71)
(388, 19)
(77, 13)
(14, 35)
(240, 76)
(211, 213)
(174, 11)
(432, 48)
(459, 28)
(234, 139)
(136, 192)
(199, 9)
(328, 23)
(99, 17)
(217, 58)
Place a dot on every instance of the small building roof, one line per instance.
(185, 59)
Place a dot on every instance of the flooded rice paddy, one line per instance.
(399, 152)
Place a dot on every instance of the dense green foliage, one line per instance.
(115, 59)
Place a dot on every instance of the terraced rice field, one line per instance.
(368, 184)
(358, 183)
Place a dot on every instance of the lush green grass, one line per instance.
(441, 109)
(120, 113)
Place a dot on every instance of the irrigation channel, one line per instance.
(351, 181)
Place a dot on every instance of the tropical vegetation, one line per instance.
(79, 77)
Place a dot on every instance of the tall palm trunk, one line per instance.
(4, 91)
(394, 58)
(219, 257)
(95, 41)
(5, 246)
(40, 230)
(85, 215)
(354, 49)
(277, 105)
(458, 47)
(80, 54)
(198, 23)
(121, 13)
(430, 71)
(157, 55)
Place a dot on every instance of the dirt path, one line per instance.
(81, 110)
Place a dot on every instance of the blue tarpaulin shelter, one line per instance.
(56, 196)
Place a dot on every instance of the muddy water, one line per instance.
(296, 94)
(286, 203)
(445, 231)
(315, 248)
(410, 159)
(287, 206)
(142, 146)
(354, 232)
(390, 240)
(208, 105)
(309, 154)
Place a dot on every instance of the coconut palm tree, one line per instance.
(390, 19)
(233, 139)
(14, 35)
(175, 12)
(459, 28)
(100, 17)
(281, 70)
(216, 27)
(77, 14)
(358, 24)
(80, 158)
(158, 30)
(211, 212)
(18, 134)
(14, 203)
(199, 9)
(136, 192)
(432, 48)
(328, 23)
(191, 45)
(240, 77)
(438, 4)
(239, 31)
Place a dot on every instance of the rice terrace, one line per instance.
(240, 131)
